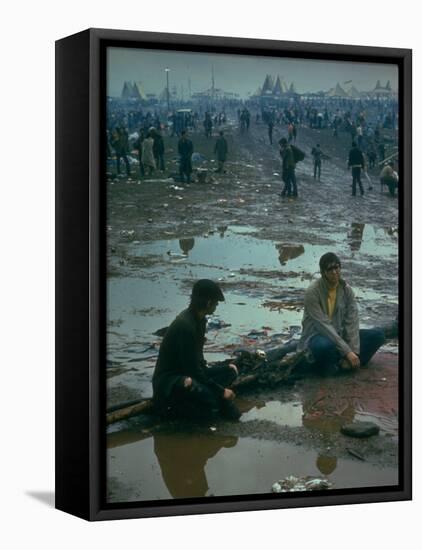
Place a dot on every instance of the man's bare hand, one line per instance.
(353, 359)
(187, 383)
(232, 366)
(229, 394)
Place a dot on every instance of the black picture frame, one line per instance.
(81, 258)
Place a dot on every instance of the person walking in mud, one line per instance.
(356, 163)
(330, 324)
(208, 125)
(288, 169)
(158, 149)
(220, 151)
(270, 130)
(317, 155)
(185, 149)
(183, 385)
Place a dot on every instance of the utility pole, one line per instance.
(168, 90)
(213, 84)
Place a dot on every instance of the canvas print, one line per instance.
(252, 234)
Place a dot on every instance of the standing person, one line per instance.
(148, 160)
(221, 150)
(381, 151)
(120, 143)
(185, 149)
(138, 147)
(270, 130)
(158, 149)
(359, 134)
(290, 132)
(372, 155)
(331, 322)
(317, 154)
(247, 119)
(356, 163)
(294, 132)
(208, 125)
(288, 169)
(183, 385)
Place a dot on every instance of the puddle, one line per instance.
(283, 414)
(158, 277)
(198, 465)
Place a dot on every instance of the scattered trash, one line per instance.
(261, 353)
(213, 428)
(216, 324)
(308, 483)
(176, 255)
(289, 251)
(128, 233)
(197, 157)
(360, 429)
(355, 454)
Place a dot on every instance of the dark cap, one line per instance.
(205, 288)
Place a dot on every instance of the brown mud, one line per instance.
(264, 250)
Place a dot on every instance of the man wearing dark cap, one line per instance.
(331, 322)
(183, 385)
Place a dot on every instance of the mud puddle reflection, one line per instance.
(263, 281)
(167, 466)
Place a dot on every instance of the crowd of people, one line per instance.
(183, 385)
(365, 123)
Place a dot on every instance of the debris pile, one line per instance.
(292, 484)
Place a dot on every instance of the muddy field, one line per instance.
(264, 251)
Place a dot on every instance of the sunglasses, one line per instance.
(333, 267)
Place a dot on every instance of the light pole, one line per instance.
(168, 90)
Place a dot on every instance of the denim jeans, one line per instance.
(289, 178)
(326, 354)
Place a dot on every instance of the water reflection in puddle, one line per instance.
(284, 414)
(148, 298)
(196, 465)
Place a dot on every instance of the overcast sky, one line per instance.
(233, 73)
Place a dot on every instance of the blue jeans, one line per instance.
(326, 353)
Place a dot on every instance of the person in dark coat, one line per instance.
(288, 169)
(183, 385)
(270, 130)
(185, 149)
(317, 154)
(356, 163)
(208, 125)
(220, 150)
(138, 147)
(120, 143)
(158, 149)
